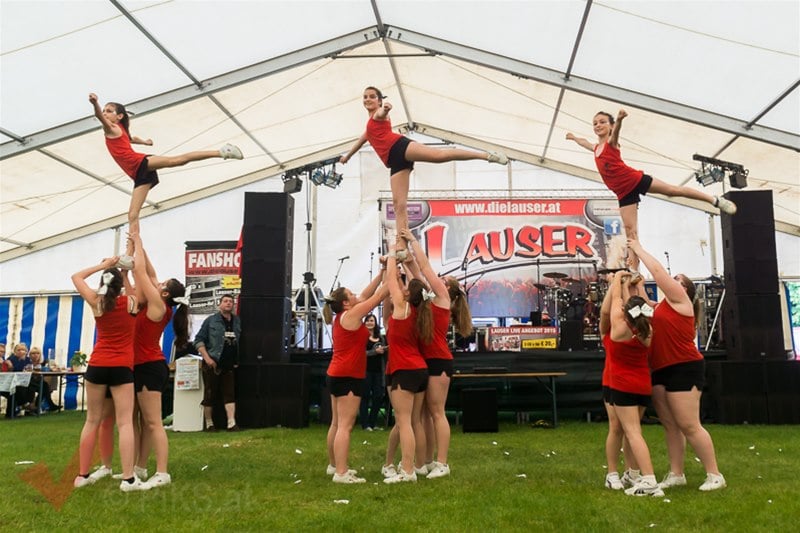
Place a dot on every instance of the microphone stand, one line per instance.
(669, 270)
(464, 265)
(336, 277)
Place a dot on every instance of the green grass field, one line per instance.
(520, 479)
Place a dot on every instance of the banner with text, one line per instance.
(212, 270)
(515, 256)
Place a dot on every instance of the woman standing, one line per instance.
(347, 370)
(150, 370)
(372, 401)
(678, 374)
(111, 366)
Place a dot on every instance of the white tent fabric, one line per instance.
(283, 80)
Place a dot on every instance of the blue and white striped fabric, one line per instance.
(62, 323)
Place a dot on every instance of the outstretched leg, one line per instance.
(399, 183)
(421, 152)
(666, 189)
(156, 162)
(137, 201)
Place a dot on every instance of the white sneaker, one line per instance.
(140, 472)
(100, 473)
(348, 478)
(647, 486)
(613, 482)
(401, 477)
(136, 486)
(159, 479)
(631, 477)
(497, 157)
(725, 205)
(125, 262)
(388, 471)
(422, 471)
(672, 480)
(401, 255)
(331, 470)
(440, 470)
(229, 151)
(713, 482)
(81, 481)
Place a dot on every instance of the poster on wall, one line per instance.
(519, 256)
(521, 338)
(212, 271)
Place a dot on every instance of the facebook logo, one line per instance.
(612, 226)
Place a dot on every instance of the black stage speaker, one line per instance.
(752, 327)
(267, 236)
(273, 394)
(738, 390)
(571, 335)
(479, 407)
(748, 244)
(783, 392)
(536, 318)
(266, 329)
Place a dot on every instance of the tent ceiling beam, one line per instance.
(178, 201)
(595, 88)
(181, 95)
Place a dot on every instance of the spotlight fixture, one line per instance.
(319, 173)
(714, 171)
(326, 176)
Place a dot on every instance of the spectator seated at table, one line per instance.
(19, 362)
(37, 381)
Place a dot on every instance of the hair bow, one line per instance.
(643, 309)
(428, 295)
(104, 281)
(183, 300)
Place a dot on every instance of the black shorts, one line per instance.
(437, 366)
(216, 385)
(606, 394)
(628, 399)
(343, 386)
(410, 380)
(633, 197)
(682, 376)
(152, 376)
(109, 375)
(397, 156)
(144, 176)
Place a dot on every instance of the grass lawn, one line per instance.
(520, 479)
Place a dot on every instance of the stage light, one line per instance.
(709, 176)
(714, 171)
(327, 177)
(739, 179)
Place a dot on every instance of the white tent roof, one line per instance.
(283, 80)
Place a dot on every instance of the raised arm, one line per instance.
(438, 287)
(581, 142)
(672, 288)
(369, 290)
(383, 112)
(605, 312)
(613, 140)
(619, 327)
(79, 280)
(139, 140)
(156, 308)
(356, 147)
(111, 130)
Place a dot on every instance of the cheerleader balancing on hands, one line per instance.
(627, 183)
(142, 167)
(399, 153)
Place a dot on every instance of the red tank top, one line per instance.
(630, 370)
(438, 347)
(349, 351)
(146, 347)
(404, 345)
(121, 150)
(673, 338)
(114, 343)
(609, 347)
(617, 176)
(381, 137)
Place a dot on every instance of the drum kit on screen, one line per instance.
(573, 299)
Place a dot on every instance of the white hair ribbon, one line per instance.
(183, 300)
(104, 281)
(428, 295)
(643, 309)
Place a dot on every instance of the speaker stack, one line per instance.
(268, 392)
(748, 386)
